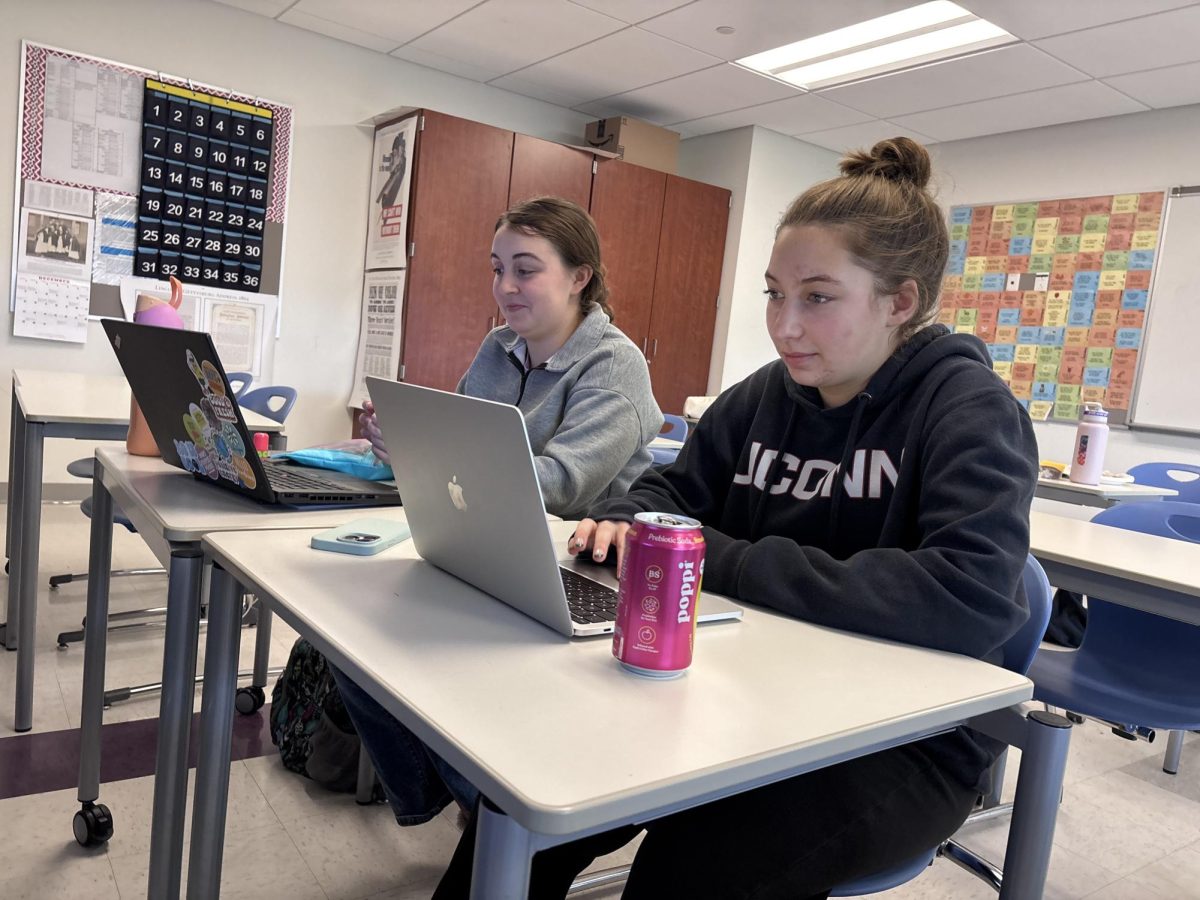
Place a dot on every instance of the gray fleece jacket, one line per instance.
(588, 409)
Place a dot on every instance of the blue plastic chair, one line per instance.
(262, 400)
(1161, 474)
(240, 382)
(1017, 654)
(1133, 668)
(676, 429)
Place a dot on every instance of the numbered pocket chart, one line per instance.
(1058, 291)
(204, 171)
(205, 188)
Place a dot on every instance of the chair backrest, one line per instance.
(240, 382)
(262, 401)
(674, 427)
(1128, 638)
(1019, 650)
(1166, 475)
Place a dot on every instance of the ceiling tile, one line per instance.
(867, 134)
(1031, 20)
(632, 11)
(762, 24)
(444, 63)
(1053, 106)
(614, 64)
(1007, 70)
(270, 8)
(397, 20)
(501, 36)
(1167, 39)
(1173, 86)
(339, 31)
(692, 96)
(807, 112)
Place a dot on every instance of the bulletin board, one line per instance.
(102, 196)
(1058, 290)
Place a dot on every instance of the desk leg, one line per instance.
(1035, 808)
(93, 824)
(503, 851)
(216, 732)
(29, 538)
(17, 476)
(262, 646)
(174, 722)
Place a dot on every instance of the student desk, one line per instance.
(58, 405)
(1154, 574)
(172, 511)
(564, 741)
(1102, 495)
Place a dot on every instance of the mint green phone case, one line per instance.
(362, 537)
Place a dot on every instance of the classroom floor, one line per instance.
(1125, 829)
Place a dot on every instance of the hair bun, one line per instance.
(898, 159)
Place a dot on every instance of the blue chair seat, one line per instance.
(119, 517)
(885, 881)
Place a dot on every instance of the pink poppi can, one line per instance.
(659, 587)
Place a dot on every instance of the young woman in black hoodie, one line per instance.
(876, 478)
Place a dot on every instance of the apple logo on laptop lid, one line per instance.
(456, 493)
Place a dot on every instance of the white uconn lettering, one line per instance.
(805, 479)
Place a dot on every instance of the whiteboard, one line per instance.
(1167, 392)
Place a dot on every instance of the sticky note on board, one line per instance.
(1049, 354)
(1119, 239)
(1112, 280)
(1055, 316)
(1092, 243)
(1047, 227)
(1068, 393)
(966, 317)
(1022, 228)
(1044, 390)
(1125, 203)
(1099, 356)
(1002, 353)
(1003, 213)
(1066, 410)
(1095, 376)
(1076, 337)
(1092, 394)
(1134, 299)
(1045, 372)
(1129, 338)
(1026, 353)
(975, 265)
(1144, 240)
(960, 215)
(1105, 318)
(1039, 410)
(1006, 334)
(1141, 259)
(1116, 259)
(1022, 390)
(1068, 243)
(1003, 369)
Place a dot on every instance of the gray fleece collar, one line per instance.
(585, 340)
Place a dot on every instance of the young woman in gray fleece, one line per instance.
(584, 390)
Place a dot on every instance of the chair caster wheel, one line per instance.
(249, 700)
(93, 825)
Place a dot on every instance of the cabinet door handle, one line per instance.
(491, 322)
(654, 351)
(644, 345)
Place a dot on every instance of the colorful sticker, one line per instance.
(196, 370)
(215, 384)
(222, 408)
(233, 440)
(245, 472)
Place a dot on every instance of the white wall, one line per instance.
(332, 86)
(1139, 152)
(765, 170)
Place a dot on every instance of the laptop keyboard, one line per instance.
(589, 601)
(286, 479)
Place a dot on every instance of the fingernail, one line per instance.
(598, 554)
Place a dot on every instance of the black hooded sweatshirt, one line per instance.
(903, 514)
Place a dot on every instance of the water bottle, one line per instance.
(1091, 437)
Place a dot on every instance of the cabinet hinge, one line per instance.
(412, 249)
(400, 374)
(421, 123)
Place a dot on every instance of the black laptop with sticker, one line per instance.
(181, 387)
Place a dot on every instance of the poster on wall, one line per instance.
(379, 331)
(55, 244)
(1058, 291)
(391, 168)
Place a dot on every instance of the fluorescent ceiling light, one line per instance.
(920, 34)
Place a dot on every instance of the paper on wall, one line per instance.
(51, 243)
(50, 308)
(236, 327)
(58, 198)
(116, 238)
(378, 331)
(391, 167)
(92, 125)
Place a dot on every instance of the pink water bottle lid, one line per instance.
(261, 441)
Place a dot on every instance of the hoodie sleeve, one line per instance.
(957, 590)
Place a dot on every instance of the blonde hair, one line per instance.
(888, 219)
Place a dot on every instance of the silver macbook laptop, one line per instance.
(465, 470)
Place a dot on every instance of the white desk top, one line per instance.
(561, 737)
(1116, 552)
(662, 443)
(173, 505)
(72, 397)
(1103, 491)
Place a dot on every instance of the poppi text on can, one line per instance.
(660, 584)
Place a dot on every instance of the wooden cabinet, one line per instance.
(691, 248)
(662, 239)
(541, 168)
(460, 188)
(627, 204)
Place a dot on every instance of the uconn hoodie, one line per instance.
(903, 514)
